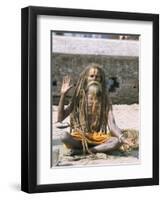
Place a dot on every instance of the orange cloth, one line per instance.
(92, 138)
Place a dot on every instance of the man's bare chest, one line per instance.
(93, 105)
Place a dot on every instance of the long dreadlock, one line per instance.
(79, 115)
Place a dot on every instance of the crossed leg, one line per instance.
(110, 145)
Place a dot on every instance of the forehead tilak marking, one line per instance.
(94, 71)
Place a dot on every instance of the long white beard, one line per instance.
(94, 88)
(94, 104)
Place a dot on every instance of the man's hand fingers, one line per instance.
(67, 79)
(70, 87)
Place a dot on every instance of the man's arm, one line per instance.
(115, 130)
(63, 112)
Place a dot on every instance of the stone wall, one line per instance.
(122, 74)
(119, 58)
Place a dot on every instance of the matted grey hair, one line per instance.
(79, 114)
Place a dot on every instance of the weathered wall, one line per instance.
(123, 68)
(70, 55)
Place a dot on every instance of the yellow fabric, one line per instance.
(92, 138)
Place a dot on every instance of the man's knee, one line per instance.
(65, 137)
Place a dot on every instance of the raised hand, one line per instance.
(66, 85)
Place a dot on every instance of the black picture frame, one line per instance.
(29, 98)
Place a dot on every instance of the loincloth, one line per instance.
(97, 138)
(92, 138)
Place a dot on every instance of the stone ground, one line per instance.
(127, 117)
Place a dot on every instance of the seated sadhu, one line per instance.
(92, 124)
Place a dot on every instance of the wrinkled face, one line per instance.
(94, 75)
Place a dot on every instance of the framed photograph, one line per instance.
(90, 99)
